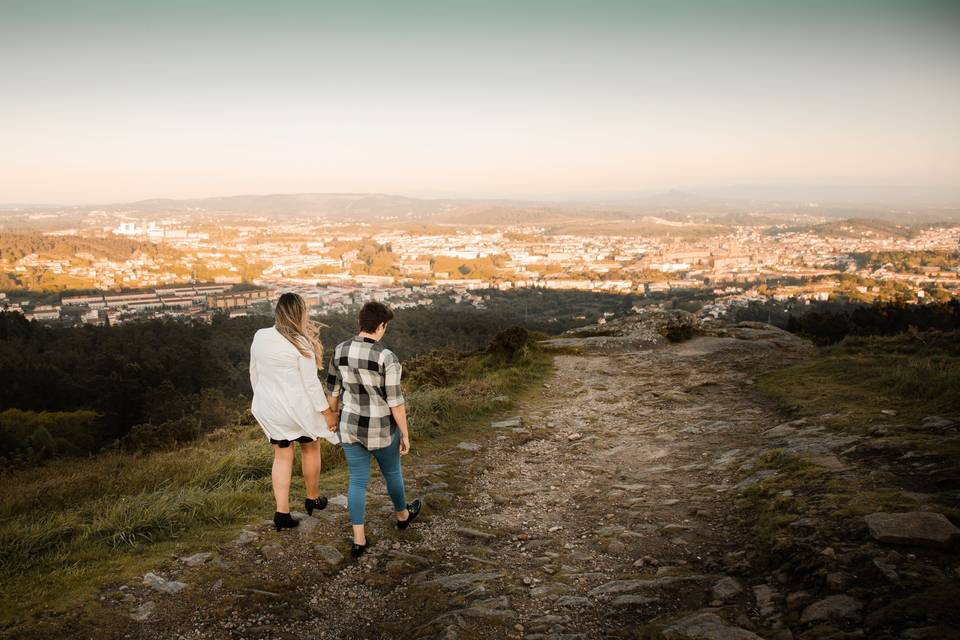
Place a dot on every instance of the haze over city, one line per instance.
(119, 101)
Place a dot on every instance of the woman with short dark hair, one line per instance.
(373, 418)
(289, 402)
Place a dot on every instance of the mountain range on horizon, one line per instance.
(838, 202)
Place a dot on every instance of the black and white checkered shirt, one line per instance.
(366, 377)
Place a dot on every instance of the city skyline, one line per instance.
(116, 102)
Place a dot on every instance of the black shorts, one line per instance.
(283, 444)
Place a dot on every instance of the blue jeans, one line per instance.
(358, 464)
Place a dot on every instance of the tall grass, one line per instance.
(68, 526)
(913, 373)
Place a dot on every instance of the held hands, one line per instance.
(404, 444)
(333, 422)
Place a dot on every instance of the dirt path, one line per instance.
(607, 504)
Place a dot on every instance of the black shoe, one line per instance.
(284, 521)
(315, 503)
(358, 550)
(413, 509)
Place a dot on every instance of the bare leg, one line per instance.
(282, 473)
(310, 464)
(359, 537)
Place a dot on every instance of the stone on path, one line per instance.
(571, 601)
(458, 581)
(914, 527)
(162, 585)
(633, 601)
(837, 608)
(704, 625)
(196, 559)
(475, 534)
(144, 611)
(509, 423)
(246, 537)
(727, 588)
(329, 554)
(340, 501)
(469, 446)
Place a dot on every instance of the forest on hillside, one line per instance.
(142, 385)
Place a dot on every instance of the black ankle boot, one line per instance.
(284, 521)
(358, 550)
(413, 509)
(315, 503)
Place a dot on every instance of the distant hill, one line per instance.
(859, 227)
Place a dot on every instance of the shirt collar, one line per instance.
(365, 339)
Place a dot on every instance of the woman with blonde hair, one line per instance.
(289, 402)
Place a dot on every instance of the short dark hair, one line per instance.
(373, 314)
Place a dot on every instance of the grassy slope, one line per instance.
(72, 526)
(845, 388)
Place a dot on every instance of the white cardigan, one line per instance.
(287, 395)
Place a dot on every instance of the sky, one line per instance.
(119, 101)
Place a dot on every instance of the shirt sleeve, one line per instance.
(392, 371)
(334, 381)
(311, 383)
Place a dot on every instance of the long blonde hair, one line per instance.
(293, 322)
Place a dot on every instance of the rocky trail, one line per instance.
(607, 507)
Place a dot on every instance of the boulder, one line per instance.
(162, 585)
(329, 554)
(914, 527)
(832, 609)
(705, 625)
(727, 588)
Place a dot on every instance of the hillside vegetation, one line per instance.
(68, 527)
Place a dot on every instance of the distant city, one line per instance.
(113, 265)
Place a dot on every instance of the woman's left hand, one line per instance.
(404, 444)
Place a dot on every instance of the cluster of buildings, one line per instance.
(336, 265)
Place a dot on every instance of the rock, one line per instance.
(832, 608)
(246, 537)
(571, 601)
(458, 581)
(493, 615)
(271, 551)
(467, 532)
(727, 588)
(329, 554)
(157, 583)
(765, 596)
(574, 436)
(827, 461)
(616, 547)
(837, 580)
(936, 422)
(676, 396)
(705, 625)
(759, 476)
(914, 527)
(550, 589)
(469, 446)
(509, 423)
(144, 611)
(627, 586)
(887, 569)
(196, 559)
(340, 501)
(633, 601)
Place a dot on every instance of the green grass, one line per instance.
(913, 374)
(845, 388)
(72, 526)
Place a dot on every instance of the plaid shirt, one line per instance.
(366, 376)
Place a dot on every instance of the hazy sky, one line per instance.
(115, 101)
